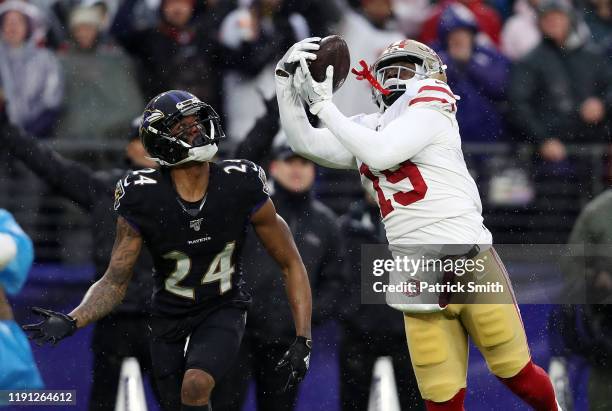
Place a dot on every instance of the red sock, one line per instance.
(533, 386)
(454, 404)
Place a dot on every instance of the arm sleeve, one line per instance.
(403, 138)
(69, 178)
(257, 191)
(128, 203)
(316, 144)
(14, 275)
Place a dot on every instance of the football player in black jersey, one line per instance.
(192, 214)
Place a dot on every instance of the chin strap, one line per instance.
(366, 74)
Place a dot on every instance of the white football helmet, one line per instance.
(391, 75)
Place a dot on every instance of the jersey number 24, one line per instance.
(220, 269)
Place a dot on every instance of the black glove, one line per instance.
(53, 328)
(297, 360)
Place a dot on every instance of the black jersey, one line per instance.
(196, 247)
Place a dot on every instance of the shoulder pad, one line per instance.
(134, 182)
(238, 166)
(434, 94)
(253, 175)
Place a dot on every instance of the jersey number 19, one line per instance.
(407, 170)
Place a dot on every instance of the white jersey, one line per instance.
(430, 198)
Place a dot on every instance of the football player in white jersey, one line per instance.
(409, 157)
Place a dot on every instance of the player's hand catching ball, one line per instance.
(53, 328)
(301, 50)
(296, 360)
(315, 94)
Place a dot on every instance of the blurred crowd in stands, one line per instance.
(527, 70)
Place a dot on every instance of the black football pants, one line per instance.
(214, 341)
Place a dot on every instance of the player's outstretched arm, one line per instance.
(403, 138)
(278, 241)
(101, 297)
(316, 144)
(70, 178)
(276, 237)
(109, 290)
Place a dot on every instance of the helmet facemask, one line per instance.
(206, 120)
(203, 146)
(397, 78)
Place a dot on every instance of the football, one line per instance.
(334, 52)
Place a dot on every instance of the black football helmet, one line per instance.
(163, 113)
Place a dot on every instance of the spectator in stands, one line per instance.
(40, 22)
(123, 333)
(254, 37)
(598, 16)
(363, 340)
(257, 145)
(31, 86)
(586, 329)
(410, 15)
(106, 8)
(593, 230)
(55, 16)
(321, 15)
(179, 53)
(102, 95)
(521, 33)
(366, 35)
(407, 15)
(476, 71)
(378, 12)
(487, 17)
(558, 93)
(269, 326)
